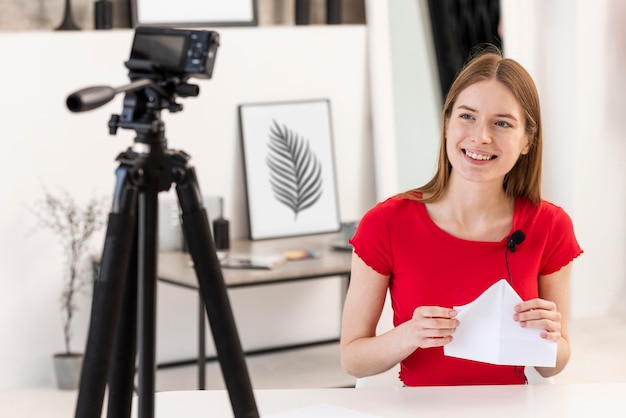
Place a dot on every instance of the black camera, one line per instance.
(166, 52)
(161, 60)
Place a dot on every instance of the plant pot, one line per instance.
(67, 368)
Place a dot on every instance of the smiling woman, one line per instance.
(485, 192)
(485, 133)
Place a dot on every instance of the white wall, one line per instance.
(576, 51)
(406, 103)
(46, 145)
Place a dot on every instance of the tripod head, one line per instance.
(161, 61)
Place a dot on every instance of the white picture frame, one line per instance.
(194, 13)
(289, 168)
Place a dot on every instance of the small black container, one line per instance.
(221, 227)
(103, 14)
(221, 234)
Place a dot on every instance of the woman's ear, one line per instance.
(526, 148)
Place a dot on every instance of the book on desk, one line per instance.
(264, 261)
(252, 261)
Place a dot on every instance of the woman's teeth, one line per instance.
(479, 157)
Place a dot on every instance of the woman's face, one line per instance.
(485, 134)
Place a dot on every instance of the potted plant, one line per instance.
(74, 226)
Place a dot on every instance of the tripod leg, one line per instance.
(105, 309)
(122, 373)
(146, 275)
(202, 250)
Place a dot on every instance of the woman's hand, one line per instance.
(541, 314)
(433, 326)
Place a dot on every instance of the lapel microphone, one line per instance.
(516, 238)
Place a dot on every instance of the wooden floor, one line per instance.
(598, 355)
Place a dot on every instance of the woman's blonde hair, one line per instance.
(524, 179)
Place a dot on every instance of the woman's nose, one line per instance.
(482, 133)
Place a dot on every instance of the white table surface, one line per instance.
(512, 401)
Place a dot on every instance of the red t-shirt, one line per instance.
(428, 266)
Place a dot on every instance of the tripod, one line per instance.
(122, 323)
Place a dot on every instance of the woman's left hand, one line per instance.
(542, 314)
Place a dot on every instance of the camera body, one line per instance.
(166, 52)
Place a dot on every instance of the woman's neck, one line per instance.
(474, 211)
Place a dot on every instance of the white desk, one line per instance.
(512, 401)
(175, 268)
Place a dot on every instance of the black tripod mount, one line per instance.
(122, 330)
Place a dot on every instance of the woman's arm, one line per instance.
(549, 312)
(365, 354)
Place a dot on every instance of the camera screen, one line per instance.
(164, 50)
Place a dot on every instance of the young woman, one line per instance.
(443, 244)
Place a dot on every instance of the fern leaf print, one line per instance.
(295, 171)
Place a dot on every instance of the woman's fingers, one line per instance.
(540, 314)
(536, 303)
(433, 325)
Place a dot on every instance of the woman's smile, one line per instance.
(478, 155)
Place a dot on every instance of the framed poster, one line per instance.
(289, 168)
(194, 13)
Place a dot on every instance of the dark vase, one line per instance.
(333, 12)
(303, 8)
(103, 14)
(68, 21)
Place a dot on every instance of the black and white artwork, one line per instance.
(289, 168)
(194, 13)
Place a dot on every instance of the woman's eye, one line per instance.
(465, 116)
(503, 124)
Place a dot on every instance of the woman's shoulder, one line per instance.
(544, 207)
(394, 207)
(543, 212)
(399, 202)
(550, 227)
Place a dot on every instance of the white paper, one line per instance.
(488, 333)
(321, 410)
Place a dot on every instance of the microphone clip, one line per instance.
(516, 238)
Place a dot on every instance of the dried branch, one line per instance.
(73, 226)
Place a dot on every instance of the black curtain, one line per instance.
(458, 26)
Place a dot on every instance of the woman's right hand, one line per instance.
(364, 352)
(433, 326)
